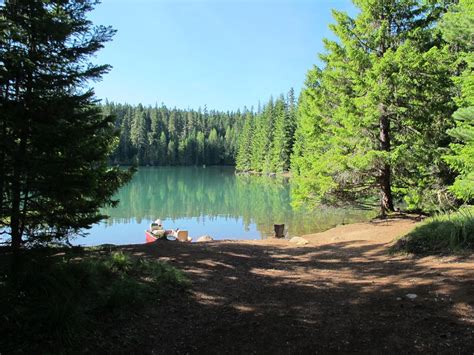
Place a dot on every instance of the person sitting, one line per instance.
(156, 228)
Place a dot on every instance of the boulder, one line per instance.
(298, 241)
(205, 238)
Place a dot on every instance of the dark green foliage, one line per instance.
(445, 233)
(373, 119)
(457, 27)
(266, 142)
(59, 299)
(162, 136)
(54, 140)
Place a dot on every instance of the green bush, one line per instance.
(58, 297)
(444, 233)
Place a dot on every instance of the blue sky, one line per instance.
(219, 53)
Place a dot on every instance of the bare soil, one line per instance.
(340, 293)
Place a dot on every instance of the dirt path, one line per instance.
(339, 293)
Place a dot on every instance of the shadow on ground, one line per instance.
(342, 297)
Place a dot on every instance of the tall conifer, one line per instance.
(55, 141)
(373, 117)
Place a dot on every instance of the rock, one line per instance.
(411, 296)
(298, 241)
(205, 238)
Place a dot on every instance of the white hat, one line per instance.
(158, 221)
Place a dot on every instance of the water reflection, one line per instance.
(213, 201)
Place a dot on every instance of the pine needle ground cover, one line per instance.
(60, 298)
(444, 233)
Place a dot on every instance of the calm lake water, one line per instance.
(211, 200)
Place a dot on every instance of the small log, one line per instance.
(279, 230)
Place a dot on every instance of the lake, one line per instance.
(211, 200)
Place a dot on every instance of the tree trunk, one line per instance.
(17, 218)
(2, 174)
(15, 209)
(279, 230)
(385, 178)
(386, 199)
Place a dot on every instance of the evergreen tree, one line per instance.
(260, 160)
(279, 151)
(147, 131)
(266, 140)
(244, 153)
(139, 136)
(162, 149)
(171, 152)
(55, 141)
(458, 29)
(213, 148)
(153, 146)
(229, 141)
(200, 148)
(291, 124)
(372, 119)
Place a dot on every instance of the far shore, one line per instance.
(285, 174)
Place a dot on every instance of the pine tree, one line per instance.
(139, 135)
(229, 145)
(262, 139)
(279, 152)
(244, 153)
(291, 124)
(162, 150)
(458, 29)
(182, 151)
(374, 117)
(268, 125)
(201, 149)
(153, 146)
(142, 127)
(171, 153)
(213, 147)
(55, 141)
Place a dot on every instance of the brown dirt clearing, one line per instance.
(341, 292)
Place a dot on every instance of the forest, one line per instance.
(163, 136)
(157, 136)
(387, 116)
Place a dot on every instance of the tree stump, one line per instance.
(279, 230)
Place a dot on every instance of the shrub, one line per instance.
(57, 297)
(443, 233)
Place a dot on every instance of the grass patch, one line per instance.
(58, 297)
(441, 234)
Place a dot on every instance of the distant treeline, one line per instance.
(164, 136)
(260, 141)
(266, 141)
